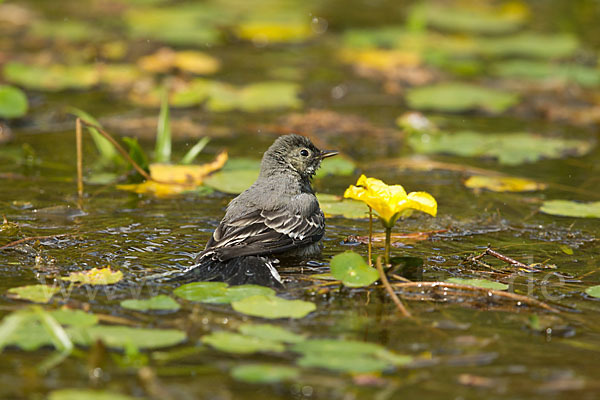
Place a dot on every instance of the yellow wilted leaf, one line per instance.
(277, 32)
(95, 276)
(381, 59)
(192, 61)
(175, 179)
(186, 174)
(503, 183)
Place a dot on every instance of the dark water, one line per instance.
(468, 349)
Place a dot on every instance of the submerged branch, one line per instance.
(390, 290)
(488, 292)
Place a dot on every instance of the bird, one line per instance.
(278, 216)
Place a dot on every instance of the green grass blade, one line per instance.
(195, 150)
(107, 151)
(10, 324)
(137, 153)
(59, 337)
(162, 151)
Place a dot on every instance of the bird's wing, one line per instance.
(264, 232)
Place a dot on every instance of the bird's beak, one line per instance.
(327, 153)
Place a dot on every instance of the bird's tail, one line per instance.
(236, 271)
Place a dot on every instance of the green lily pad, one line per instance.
(53, 77)
(568, 208)
(509, 148)
(337, 165)
(471, 20)
(271, 332)
(231, 342)
(157, 303)
(481, 283)
(28, 334)
(593, 291)
(34, 293)
(236, 176)
(79, 318)
(264, 373)
(186, 24)
(539, 71)
(343, 363)
(218, 292)
(350, 268)
(13, 102)
(333, 206)
(86, 394)
(273, 307)
(530, 45)
(124, 336)
(69, 30)
(261, 96)
(460, 97)
(347, 355)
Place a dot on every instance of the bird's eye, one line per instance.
(304, 153)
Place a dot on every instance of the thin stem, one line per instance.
(388, 244)
(121, 150)
(79, 159)
(390, 290)
(370, 235)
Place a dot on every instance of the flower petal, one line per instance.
(422, 201)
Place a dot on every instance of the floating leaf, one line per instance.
(508, 148)
(65, 316)
(262, 96)
(235, 343)
(343, 363)
(51, 77)
(503, 183)
(271, 332)
(218, 292)
(264, 373)
(459, 97)
(545, 72)
(13, 102)
(532, 45)
(273, 307)
(209, 292)
(86, 394)
(334, 206)
(34, 293)
(95, 276)
(472, 19)
(568, 208)
(593, 291)
(124, 336)
(382, 59)
(192, 61)
(192, 24)
(481, 283)
(186, 174)
(350, 268)
(236, 176)
(157, 303)
(265, 32)
(67, 29)
(347, 355)
(339, 165)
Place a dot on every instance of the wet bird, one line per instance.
(278, 216)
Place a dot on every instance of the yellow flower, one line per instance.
(390, 201)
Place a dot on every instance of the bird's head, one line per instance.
(294, 153)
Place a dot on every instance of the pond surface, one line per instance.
(461, 344)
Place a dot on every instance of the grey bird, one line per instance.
(278, 216)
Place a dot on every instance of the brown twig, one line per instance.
(370, 246)
(390, 290)
(79, 159)
(507, 295)
(121, 150)
(27, 239)
(502, 257)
